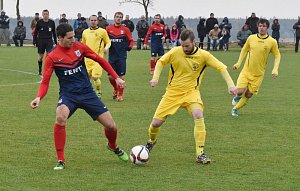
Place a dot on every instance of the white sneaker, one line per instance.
(234, 112)
(235, 100)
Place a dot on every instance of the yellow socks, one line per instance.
(97, 85)
(199, 135)
(153, 132)
(242, 102)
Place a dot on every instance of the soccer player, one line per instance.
(188, 63)
(158, 34)
(43, 37)
(67, 60)
(257, 47)
(121, 42)
(96, 39)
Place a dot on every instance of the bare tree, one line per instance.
(18, 10)
(145, 3)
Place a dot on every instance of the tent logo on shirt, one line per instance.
(77, 52)
(195, 67)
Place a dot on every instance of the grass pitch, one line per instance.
(259, 150)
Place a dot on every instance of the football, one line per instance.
(139, 155)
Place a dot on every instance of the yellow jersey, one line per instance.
(186, 71)
(258, 49)
(96, 39)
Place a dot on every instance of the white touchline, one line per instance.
(19, 84)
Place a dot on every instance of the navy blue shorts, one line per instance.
(88, 102)
(119, 66)
(44, 45)
(157, 50)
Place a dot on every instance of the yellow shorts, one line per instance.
(253, 83)
(169, 104)
(93, 68)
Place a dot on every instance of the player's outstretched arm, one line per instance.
(35, 103)
(230, 84)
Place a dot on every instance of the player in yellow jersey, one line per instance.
(97, 39)
(188, 63)
(257, 47)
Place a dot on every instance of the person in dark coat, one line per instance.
(19, 34)
(201, 29)
(252, 23)
(296, 26)
(226, 25)
(210, 23)
(275, 30)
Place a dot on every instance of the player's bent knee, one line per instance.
(61, 120)
(157, 123)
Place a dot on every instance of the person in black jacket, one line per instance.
(128, 23)
(201, 32)
(296, 26)
(210, 23)
(63, 19)
(275, 30)
(142, 28)
(19, 33)
(4, 27)
(252, 23)
(43, 37)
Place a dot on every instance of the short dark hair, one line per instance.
(262, 21)
(92, 16)
(45, 10)
(63, 29)
(187, 34)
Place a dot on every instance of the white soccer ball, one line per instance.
(139, 155)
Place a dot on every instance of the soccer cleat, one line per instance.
(60, 165)
(120, 153)
(119, 98)
(234, 112)
(235, 100)
(201, 158)
(150, 145)
(114, 94)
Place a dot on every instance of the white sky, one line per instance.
(187, 8)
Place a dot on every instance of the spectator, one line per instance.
(174, 33)
(242, 35)
(275, 30)
(225, 27)
(84, 23)
(102, 21)
(214, 35)
(180, 24)
(167, 39)
(128, 23)
(4, 27)
(19, 33)
(63, 19)
(34, 21)
(297, 28)
(77, 21)
(142, 27)
(201, 32)
(252, 23)
(78, 32)
(210, 23)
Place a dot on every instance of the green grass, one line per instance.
(259, 150)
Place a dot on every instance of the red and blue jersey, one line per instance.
(157, 31)
(69, 66)
(121, 40)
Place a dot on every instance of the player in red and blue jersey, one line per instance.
(67, 60)
(158, 34)
(121, 42)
